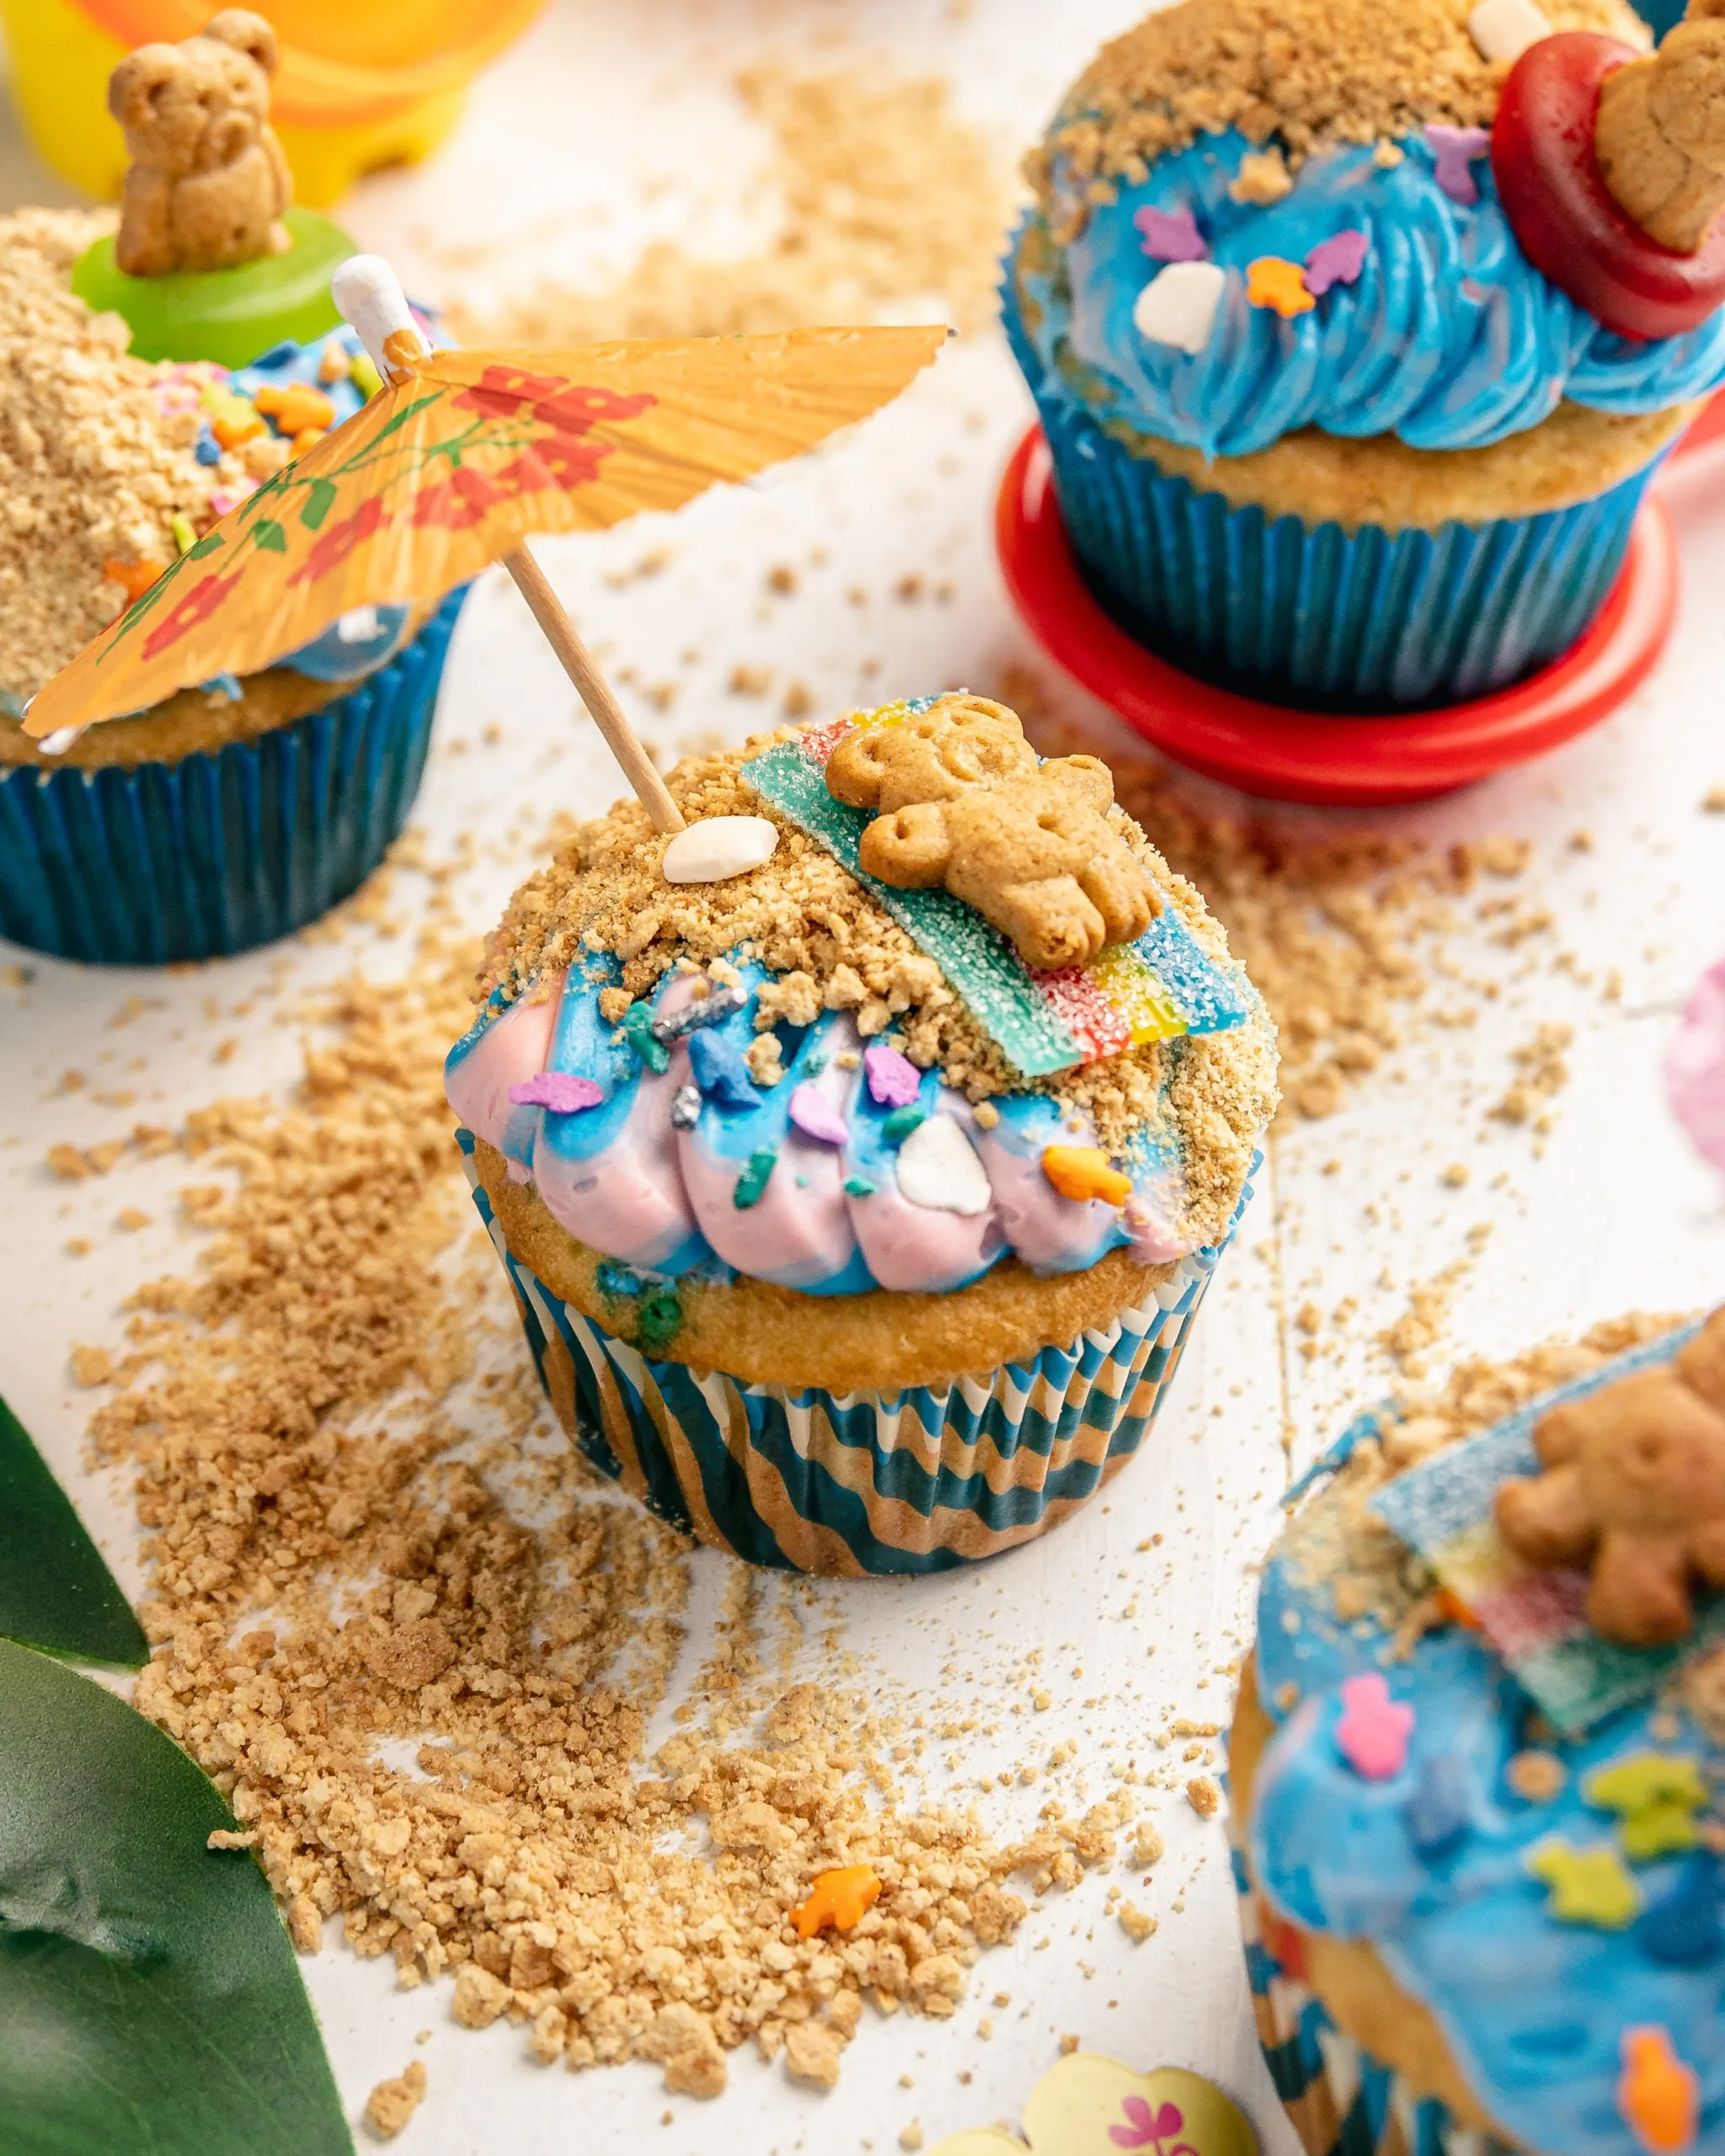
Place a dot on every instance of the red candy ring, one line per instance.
(1569, 225)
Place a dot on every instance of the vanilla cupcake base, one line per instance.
(917, 1479)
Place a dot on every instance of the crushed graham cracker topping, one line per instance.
(1312, 73)
(417, 1643)
(93, 468)
(1336, 1541)
(808, 922)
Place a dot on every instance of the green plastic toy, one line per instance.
(230, 316)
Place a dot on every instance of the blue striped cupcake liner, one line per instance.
(1341, 2101)
(1361, 620)
(221, 850)
(807, 1480)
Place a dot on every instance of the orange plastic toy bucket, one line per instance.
(360, 86)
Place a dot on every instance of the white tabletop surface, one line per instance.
(1609, 1212)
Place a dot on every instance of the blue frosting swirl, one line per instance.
(1534, 2011)
(1450, 337)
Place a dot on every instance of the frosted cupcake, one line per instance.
(237, 811)
(1475, 1767)
(860, 1155)
(1321, 427)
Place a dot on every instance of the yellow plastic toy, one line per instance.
(360, 87)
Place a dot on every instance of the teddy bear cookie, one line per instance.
(1633, 1484)
(208, 184)
(210, 261)
(965, 806)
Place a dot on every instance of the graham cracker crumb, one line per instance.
(359, 1536)
(1714, 802)
(812, 2053)
(1135, 1924)
(1308, 72)
(1203, 1795)
(391, 2104)
(92, 1366)
(886, 195)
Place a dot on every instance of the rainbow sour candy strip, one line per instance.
(1161, 986)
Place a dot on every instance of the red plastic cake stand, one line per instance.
(1288, 754)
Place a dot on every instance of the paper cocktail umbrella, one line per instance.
(451, 466)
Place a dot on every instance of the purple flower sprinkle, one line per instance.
(1454, 149)
(894, 1080)
(558, 1090)
(1337, 260)
(816, 1117)
(1171, 235)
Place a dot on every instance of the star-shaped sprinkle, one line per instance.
(816, 1117)
(894, 1080)
(559, 1090)
(841, 1898)
(1656, 1797)
(1588, 1885)
(1271, 281)
(1658, 2094)
(1171, 235)
(1454, 150)
(1374, 1729)
(1337, 260)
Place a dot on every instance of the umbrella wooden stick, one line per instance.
(370, 296)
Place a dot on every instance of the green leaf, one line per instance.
(318, 503)
(270, 534)
(55, 1591)
(148, 1996)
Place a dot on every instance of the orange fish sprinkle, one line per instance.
(295, 406)
(133, 578)
(841, 1898)
(1658, 2094)
(1271, 281)
(1083, 1171)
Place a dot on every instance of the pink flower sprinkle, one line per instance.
(1337, 260)
(1171, 235)
(1373, 1732)
(558, 1090)
(1454, 150)
(894, 1080)
(816, 1117)
(223, 499)
(1695, 1067)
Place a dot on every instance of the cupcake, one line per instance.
(237, 811)
(1321, 428)
(859, 1156)
(1475, 1767)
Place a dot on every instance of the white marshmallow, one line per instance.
(720, 846)
(938, 1170)
(367, 294)
(1503, 29)
(1178, 306)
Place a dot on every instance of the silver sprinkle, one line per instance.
(707, 1011)
(686, 1108)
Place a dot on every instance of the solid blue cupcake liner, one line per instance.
(1365, 620)
(219, 851)
(803, 1480)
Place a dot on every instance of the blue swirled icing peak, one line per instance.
(1449, 337)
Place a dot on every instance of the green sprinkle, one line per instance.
(659, 1319)
(753, 1179)
(362, 373)
(858, 1186)
(637, 1031)
(814, 1063)
(184, 537)
(902, 1121)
